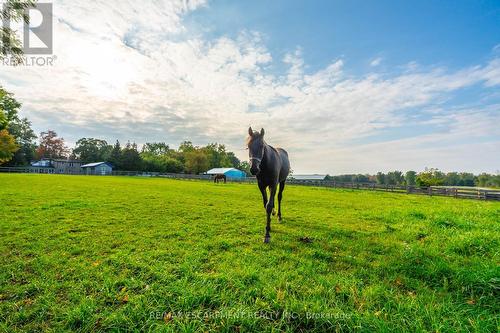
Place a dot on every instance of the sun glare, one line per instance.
(107, 72)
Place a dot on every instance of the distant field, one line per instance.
(123, 254)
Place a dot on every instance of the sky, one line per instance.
(343, 86)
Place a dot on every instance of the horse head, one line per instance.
(255, 144)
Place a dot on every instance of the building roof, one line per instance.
(219, 171)
(93, 165)
(42, 164)
(67, 161)
(308, 177)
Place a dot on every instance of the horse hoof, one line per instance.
(280, 219)
(274, 212)
(267, 240)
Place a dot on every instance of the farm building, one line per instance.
(56, 166)
(42, 166)
(228, 172)
(98, 168)
(308, 177)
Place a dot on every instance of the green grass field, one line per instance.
(146, 254)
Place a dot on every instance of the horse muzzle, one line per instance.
(254, 171)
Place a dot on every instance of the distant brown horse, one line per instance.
(220, 177)
(271, 167)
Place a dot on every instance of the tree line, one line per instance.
(428, 177)
(152, 157)
(158, 156)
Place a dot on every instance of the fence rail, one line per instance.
(455, 192)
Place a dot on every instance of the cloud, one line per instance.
(375, 62)
(134, 71)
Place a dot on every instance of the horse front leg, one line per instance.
(269, 211)
(263, 191)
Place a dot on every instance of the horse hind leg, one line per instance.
(280, 196)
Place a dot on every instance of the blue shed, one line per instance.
(99, 168)
(229, 172)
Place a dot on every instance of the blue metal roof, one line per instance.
(219, 171)
(229, 172)
(92, 165)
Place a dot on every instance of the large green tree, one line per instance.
(186, 146)
(7, 146)
(452, 179)
(90, 150)
(467, 179)
(9, 105)
(244, 166)
(158, 157)
(115, 156)
(161, 163)
(196, 162)
(25, 138)
(410, 178)
(156, 149)
(10, 45)
(394, 178)
(10, 126)
(3, 118)
(130, 158)
(430, 177)
(381, 178)
(217, 156)
(19, 128)
(486, 180)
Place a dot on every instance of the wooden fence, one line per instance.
(455, 192)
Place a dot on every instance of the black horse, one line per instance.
(271, 166)
(220, 177)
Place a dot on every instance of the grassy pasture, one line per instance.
(133, 254)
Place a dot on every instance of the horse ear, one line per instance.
(262, 132)
(250, 131)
